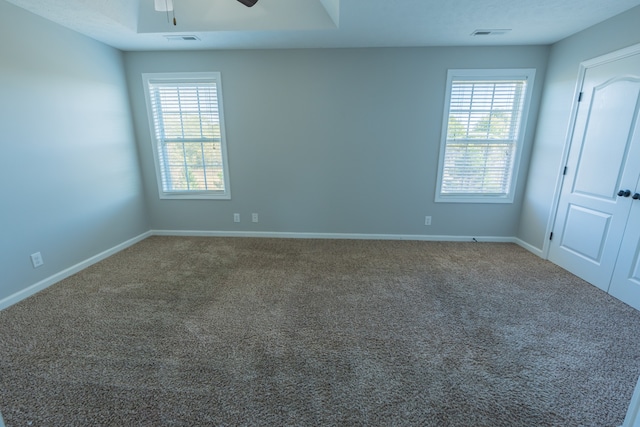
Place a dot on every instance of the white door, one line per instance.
(633, 413)
(625, 284)
(591, 218)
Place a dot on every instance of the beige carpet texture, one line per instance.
(191, 331)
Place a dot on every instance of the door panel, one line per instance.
(606, 138)
(625, 283)
(591, 219)
(587, 245)
(634, 277)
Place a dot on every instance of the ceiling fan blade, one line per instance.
(163, 5)
(248, 3)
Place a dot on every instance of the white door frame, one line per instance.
(632, 418)
(633, 414)
(582, 71)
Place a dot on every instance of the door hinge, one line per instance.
(564, 171)
(551, 236)
(580, 96)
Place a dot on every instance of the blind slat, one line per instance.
(186, 120)
(482, 131)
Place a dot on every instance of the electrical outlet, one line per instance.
(427, 220)
(236, 217)
(254, 217)
(36, 260)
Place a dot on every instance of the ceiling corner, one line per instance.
(333, 10)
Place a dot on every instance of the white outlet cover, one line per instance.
(36, 259)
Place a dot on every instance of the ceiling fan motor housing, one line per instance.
(248, 3)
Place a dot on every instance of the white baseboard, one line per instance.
(349, 236)
(357, 236)
(529, 247)
(43, 284)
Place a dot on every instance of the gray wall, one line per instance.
(70, 177)
(553, 123)
(333, 141)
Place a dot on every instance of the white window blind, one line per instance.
(482, 137)
(186, 121)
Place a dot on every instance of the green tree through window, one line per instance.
(482, 135)
(186, 118)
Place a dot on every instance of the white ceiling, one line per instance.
(227, 24)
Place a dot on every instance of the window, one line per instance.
(187, 126)
(484, 121)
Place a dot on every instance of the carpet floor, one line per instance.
(180, 331)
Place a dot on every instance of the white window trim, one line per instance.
(186, 77)
(485, 74)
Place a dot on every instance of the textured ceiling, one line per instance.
(227, 24)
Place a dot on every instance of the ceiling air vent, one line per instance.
(489, 32)
(181, 38)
